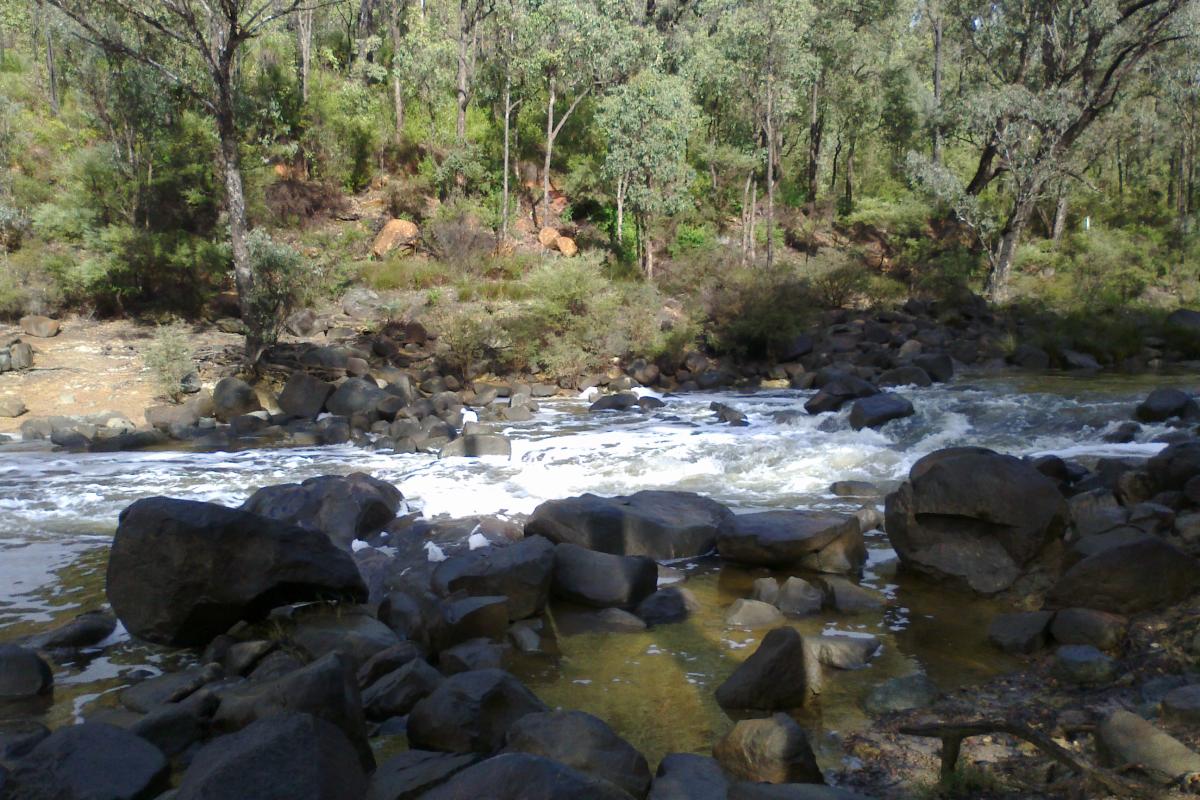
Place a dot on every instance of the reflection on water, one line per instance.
(57, 513)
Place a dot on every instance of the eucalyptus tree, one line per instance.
(196, 46)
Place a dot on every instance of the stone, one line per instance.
(547, 237)
(688, 776)
(1145, 574)
(408, 775)
(938, 366)
(472, 654)
(1020, 632)
(20, 356)
(1125, 738)
(467, 618)
(847, 597)
(471, 712)
(974, 518)
(752, 614)
(395, 233)
(621, 401)
(172, 728)
(18, 737)
(39, 326)
(1088, 626)
(1182, 705)
(905, 376)
(1184, 319)
(790, 791)
(841, 651)
(901, 694)
(879, 409)
(1073, 359)
(845, 555)
(233, 397)
(170, 687)
(520, 572)
(342, 507)
(304, 396)
(181, 572)
(772, 750)
(387, 661)
(663, 525)
(396, 693)
(582, 742)
(1164, 404)
(521, 776)
(781, 538)
(12, 407)
(23, 673)
(776, 676)
(765, 590)
(1083, 664)
(566, 245)
(862, 489)
(92, 761)
(602, 580)
(355, 396)
(667, 605)
(320, 629)
(478, 445)
(1030, 357)
(1175, 465)
(838, 391)
(288, 755)
(799, 598)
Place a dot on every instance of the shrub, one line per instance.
(455, 236)
(169, 359)
(14, 227)
(293, 202)
(280, 282)
(837, 286)
(403, 272)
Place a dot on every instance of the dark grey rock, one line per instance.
(1146, 574)
(408, 775)
(687, 776)
(901, 694)
(583, 742)
(752, 614)
(93, 761)
(1020, 632)
(878, 410)
(772, 750)
(668, 605)
(781, 538)
(775, 676)
(520, 776)
(471, 712)
(396, 693)
(23, 673)
(343, 507)
(477, 445)
(304, 396)
(1083, 664)
(602, 580)
(233, 397)
(520, 572)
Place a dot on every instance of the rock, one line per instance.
(583, 742)
(608, 620)
(847, 597)
(841, 652)
(687, 776)
(41, 327)
(396, 693)
(602, 580)
(520, 776)
(752, 614)
(1029, 357)
(93, 761)
(1073, 359)
(729, 414)
(938, 366)
(1083, 664)
(477, 445)
(1182, 705)
(170, 687)
(781, 538)
(901, 694)
(879, 409)
(799, 598)
(838, 391)
(180, 572)
(471, 712)
(1175, 465)
(396, 233)
(1125, 738)
(1088, 626)
(320, 629)
(1164, 404)
(387, 661)
(343, 507)
(12, 407)
(772, 750)
(233, 397)
(668, 605)
(547, 237)
(304, 396)
(521, 572)
(905, 376)
(20, 356)
(18, 737)
(660, 524)
(566, 245)
(87, 629)
(790, 791)
(466, 618)
(172, 728)
(974, 518)
(286, 755)
(765, 590)
(355, 396)
(23, 673)
(1145, 574)
(473, 654)
(408, 775)
(621, 401)
(775, 676)
(855, 489)
(1020, 632)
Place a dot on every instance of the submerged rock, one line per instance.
(901, 694)
(688, 776)
(878, 410)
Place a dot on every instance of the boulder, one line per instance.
(20, 356)
(838, 391)
(1125, 738)
(566, 245)
(304, 396)
(1088, 626)
(583, 742)
(905, 376)
(841, 651)
(477, 445)
(1083, 664)
(396, 693)
(772, 750)
(799, 598)
(1164, 404)
(465, 618)
(848, 597)
(602, 580)
(473, 654)
(520, 572)
(287, 755)
(23, 673)
(174, 728)
(180, 572)
(774, 677)
(547, 237)
(93, 761)
(12, 407)
(752, 614)
(18, 737)
(766, 590)
(688, 776)
(343, 507)
(233, 397)
(1175, 465)
(387, 661)
(1145, 574)
(667, 605)
(1020, 632)
(471, 712)
(879, 409)
(408, 775)
(396, 233)
(320, 629)
(663, 525)
(974, 518)
(355, 396)
(1028, 356)
(938, 366)
(520, 776)
(782, 538)
(744, 790)
(41, 327)
(621, 401)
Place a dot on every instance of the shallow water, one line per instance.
(58, 511)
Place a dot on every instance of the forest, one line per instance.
(722, 166)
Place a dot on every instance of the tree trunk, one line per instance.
(1060, 215)
(507, 129)
(770, 171)
(752, 243)
(235, 201)
(848, 198)
(747, 214)
(549, 154)
(463, 77)
(816, 125)
(620, 210)
(304, 34)
(997, 288)
(51, 72)
(938, 135)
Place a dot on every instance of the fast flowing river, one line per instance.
(58, 512)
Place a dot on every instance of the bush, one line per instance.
(293, 202)
(456, 237)
(169, 359)
(403, 272)
(280, 284)
(839, 285)
(757, 314)
(14, 227)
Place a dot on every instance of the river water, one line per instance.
(58, 512)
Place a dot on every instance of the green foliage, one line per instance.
(169, 359)
(756, 313)
(403, 272)
(280, 284)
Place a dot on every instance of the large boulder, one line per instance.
(23, 673)
(1125, 738)
(1175, 465)
(662, 525)
(783, 538)
(289, 755)
(688, 776)
(396, 233)
(771, 750)
(93, 761)
(837, 391)
(355, 396)
(471, 712)
(408, 775)
(775, 677)
(585, 743)
(521, 572)
(1163, 404)
(974, 518)
(395, 694)
(520, 776)
(477, 445)
(1145, 574)
(879, 409)
(180, 572)
(233, 397)
(304, 395)
(39, 326)
(602, 580)
(343, 507)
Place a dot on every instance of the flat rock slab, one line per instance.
(780, 538)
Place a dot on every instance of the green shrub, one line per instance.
(756, 313)
(455, 235)
(280, 281)
(403, 272)
(169, 359)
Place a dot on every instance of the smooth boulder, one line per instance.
(602, 580)
(23, 673)
(343, 507)
(775, 677)
(771, 750)
(471, 712)
(521, 572)
(878, 410)
(93, 761)
(688, 776)
(782, 538)
(521, 776)
(583, 742)
(233, 397)
(1146, 574)
(304, 396)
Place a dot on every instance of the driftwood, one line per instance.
(952, 735)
